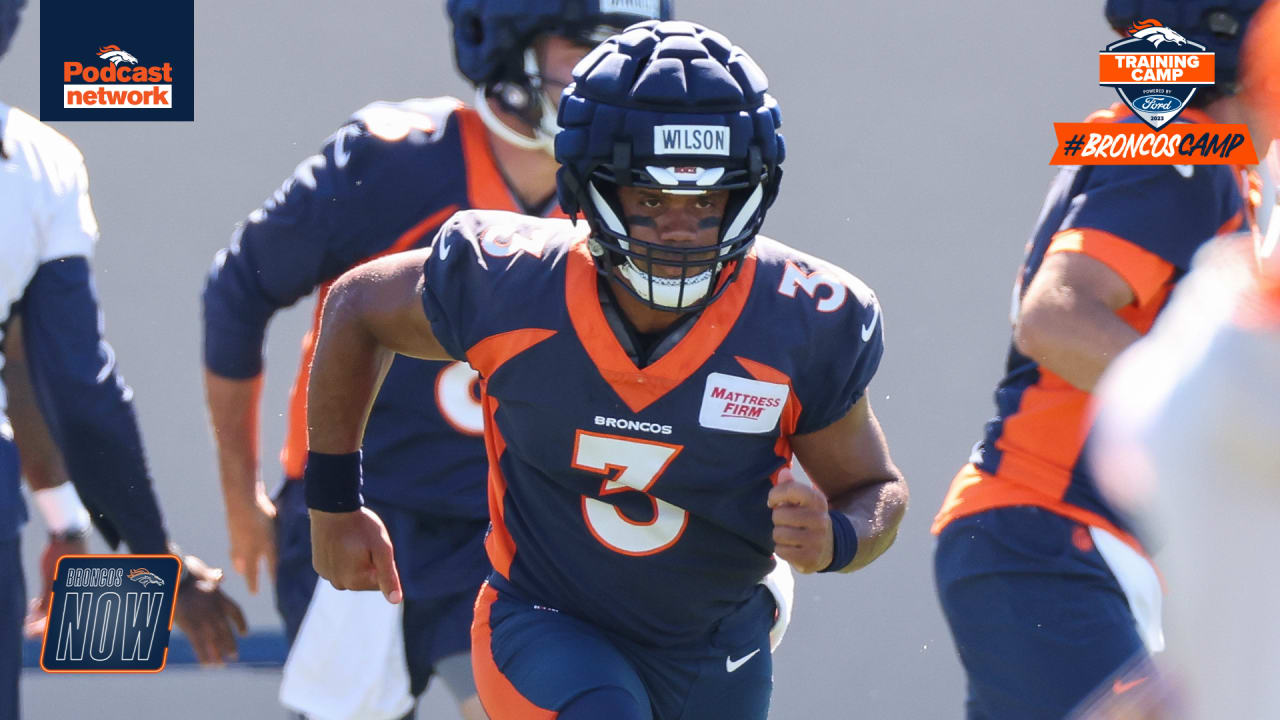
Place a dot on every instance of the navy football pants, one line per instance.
(13, 607)
(532, 662)
(1037, 616)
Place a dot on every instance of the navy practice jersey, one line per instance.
(1143, 222)
(635, 498)
(384, 183)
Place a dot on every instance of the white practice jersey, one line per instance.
(44, 204)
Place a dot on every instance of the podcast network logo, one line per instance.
(110, 613)
(1156, 71)
(98, 64)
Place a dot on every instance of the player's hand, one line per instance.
(38, 608)
(801, 527)
(251, 527)
(209, 618)
(353, 552)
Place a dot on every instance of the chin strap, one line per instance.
(544, 133)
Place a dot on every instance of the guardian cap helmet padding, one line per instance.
(671, 106)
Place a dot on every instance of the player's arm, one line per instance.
(853, 475)
(1067, 320)
(300, 238)
(371, 313)
(91, 417)
(65, 517)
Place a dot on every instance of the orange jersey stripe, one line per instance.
(1144, 271)
(498, 544)
(974, 491)
(790, 411)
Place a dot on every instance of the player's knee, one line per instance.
(606, 702)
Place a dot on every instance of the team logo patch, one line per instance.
(691, 140)
(741, 405)
(98, 63)
(1156, 71)
(145, 577)
(111, 613)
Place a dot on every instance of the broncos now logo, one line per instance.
(145, 576)
(116, 55)
(1154, 32)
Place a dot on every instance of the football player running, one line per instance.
(385, 182)
(1047, 589)
(75, 413)
(647, 377)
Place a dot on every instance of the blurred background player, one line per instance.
(47, 235)
(647, 376)
(1189, 419)
(385, 182)
(1045, 587)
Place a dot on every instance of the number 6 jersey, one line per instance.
(635, 497)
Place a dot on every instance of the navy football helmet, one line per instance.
(492, 45)
(671, 106)
(9, 10)
(1219, 25)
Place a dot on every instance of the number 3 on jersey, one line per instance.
(638, 464)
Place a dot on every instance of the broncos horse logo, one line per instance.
(1154, 32)
(145, 576)
(116, 55)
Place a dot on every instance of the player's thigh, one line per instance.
(734, 675)
(531, 662)
(436, 629)
(1038, 619)
(295, 577)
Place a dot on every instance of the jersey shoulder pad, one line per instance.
(491, 272)
(422, 119)
(803, 285)
(496, 239)
(45, 152)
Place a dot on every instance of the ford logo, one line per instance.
(1158, 103)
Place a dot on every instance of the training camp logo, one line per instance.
(110, 613)
(1156, 71)
(122, 83)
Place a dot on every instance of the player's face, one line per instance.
(557, 56)
(683, 221)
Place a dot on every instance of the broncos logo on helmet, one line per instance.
(145, 576)
(116, 55)
(1154, 32)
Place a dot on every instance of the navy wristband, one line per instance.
(844, 543)
(332, 482)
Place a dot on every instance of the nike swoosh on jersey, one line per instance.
(1185, 171)
(442, 249)
(871, 327)
(730, 664)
